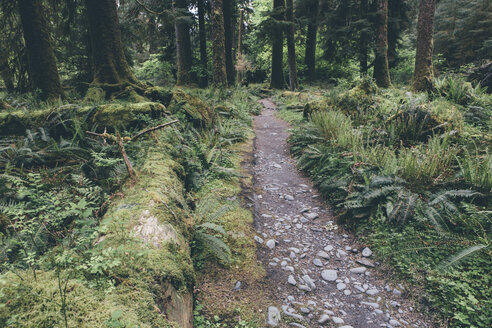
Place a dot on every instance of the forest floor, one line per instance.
(318, 273)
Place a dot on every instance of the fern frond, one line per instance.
(456, 259)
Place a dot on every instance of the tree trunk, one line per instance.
(277, 79)
(183, 43)
(423, 75)
(291, 46)
(202, 36)
(312, 32)
(229, 10)
(40, 55)
(363, 40)
(381, 66)
(240, 46)
(151, 32)
(218, 44)
(5, 71)
(110, 68)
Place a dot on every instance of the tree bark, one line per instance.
(41, 58)
(183, 43)
(229, 9)
(202, 36)
(291, 46)
(240, 44)
(109, 62)
(381, 66)
(5, 71)
(277, 78)
(218, 44)
(151, 24)
(423, 74)
(363, 40)
(312, 32)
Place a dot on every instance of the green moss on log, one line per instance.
(111, 116)
(192, 107)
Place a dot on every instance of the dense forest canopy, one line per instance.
(124, 123)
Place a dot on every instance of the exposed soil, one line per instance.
(289, 213)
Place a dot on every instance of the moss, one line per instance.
(313, 107)
(95, 95)
(115, 115)
(159, 94)
(194, 108)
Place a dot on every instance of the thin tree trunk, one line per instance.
(42, 67)
(381, 66)
(110, 68)
(363, 40)
(218, 43)
(291, 46)
(423, 75)
(229, 9)
(202, 35)
(277, 79)
(183, 43)
(152, 28)
(240, 45)
(312, 32)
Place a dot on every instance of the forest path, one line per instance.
(318, 274)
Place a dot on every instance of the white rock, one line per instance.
(324, 319)
(366, 252)
(337, 320)
(341, 286)
(358, 270)
(328, 248)
(273, 316)
(258, 240)
(318, 262)
(323, 255)
(292, 280)
(311, 216)
(270, 244)
(329, 275)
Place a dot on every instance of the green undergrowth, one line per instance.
(411, 174)
(82, 245)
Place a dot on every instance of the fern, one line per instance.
(461, 256)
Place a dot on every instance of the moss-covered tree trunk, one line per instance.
(42, 68)
(381, 66)
(240, 46)
(277, 79)
(183, 42)
(202, 35)
(229, 9)
(151, 25)
(110, 68)
(291, 46)
(423, 75)
(312, 33)
(218, 43)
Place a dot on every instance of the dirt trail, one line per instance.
(317, 272)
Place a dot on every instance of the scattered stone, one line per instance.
(318, 262)
(373, 305)
(346, 326)
(311, 216)
(396, 292)
(295, 250)
(323, 255)
(337, 320)
(365, 262)
(305, 310)
(328, 248)
(329, 275)
(305, 209)
(323, 319)
(347, 292)
(358, 270)
(289, 197)
(273, 316)
(237, 286)
(348, 248)
(258, 240)
(305, 288)
(292, 280)
(295, 324)
(275, 165)
(372, 292)
(271, 244)
(366, 252)
(341, 286)
(294, 315)
(307, 279)
(394, 323)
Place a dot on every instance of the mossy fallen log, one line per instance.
(111, 116)
(192, 107)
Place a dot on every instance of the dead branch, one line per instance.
(128, 164)
(138, 135)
